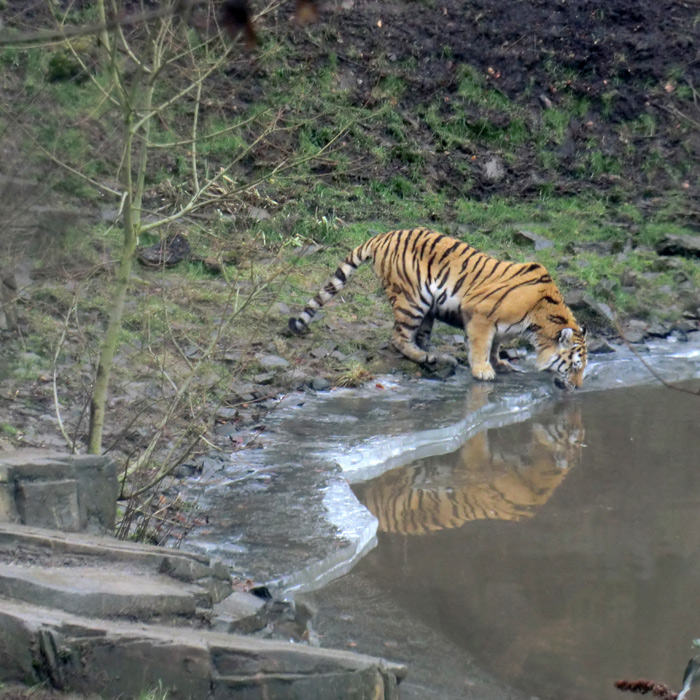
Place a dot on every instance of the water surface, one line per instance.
(543, 559)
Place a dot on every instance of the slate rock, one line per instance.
(264, 378)
(675, 244)
(494, 170)
(226, 413)
(600, 346)
(322, 351)
(272, 361)
(320, 384)
(540, 242)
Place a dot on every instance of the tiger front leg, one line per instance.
(480, 334)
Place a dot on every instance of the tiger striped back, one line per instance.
(428, 276)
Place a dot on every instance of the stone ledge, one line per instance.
(58, 567)
(121, 659)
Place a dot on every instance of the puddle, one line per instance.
(543, 559)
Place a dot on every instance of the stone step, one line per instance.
(99, 592)
(37, 542)
(122, 659)
(64, 556)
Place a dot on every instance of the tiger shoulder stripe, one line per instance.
(428, 276)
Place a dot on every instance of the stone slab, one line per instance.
(75, 558)
(36, 541)
(49, 503)
(98, 592)
(119, 659)
(74, 493)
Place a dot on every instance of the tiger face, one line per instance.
(567, 358)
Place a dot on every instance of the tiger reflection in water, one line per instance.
(485, 479)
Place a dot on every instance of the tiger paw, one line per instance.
(439, 358)
(484, 372)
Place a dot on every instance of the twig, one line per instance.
(647, 366)
(57, 407)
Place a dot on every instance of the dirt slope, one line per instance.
(629, 66)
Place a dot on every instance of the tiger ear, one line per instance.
(566, 338)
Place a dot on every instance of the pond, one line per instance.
(544, 559)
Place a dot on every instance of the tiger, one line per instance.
(485, 479)
(429, 276)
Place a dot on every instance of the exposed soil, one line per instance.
(627, 59)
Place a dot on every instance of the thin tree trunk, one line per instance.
(121, 285)
(133, 188)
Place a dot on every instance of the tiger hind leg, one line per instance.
(404, 340)
(424, 332)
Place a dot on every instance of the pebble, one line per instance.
(272, 361)
(264, 378)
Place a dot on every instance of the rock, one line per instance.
(182, 569)
(323, 351)
(599, 346)
(320, 384)
(306, 250)
(629, 278)
(51, 489)
(272, 361)
(675, 244)
(606, 285)
(171, 251)
(578, 301)
(264, 378)
(540, 243)
(257, 214)
(493, 170)
(237, 607)
(294, 379)
(225, 429)
(633, 336)
(88, 655)
(634, 331)
(686, 325)
(275, 619)
(601, 248)
(230, 356)
(659, 329)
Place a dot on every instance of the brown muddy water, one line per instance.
(545, 559)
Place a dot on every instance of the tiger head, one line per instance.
(566, 355)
